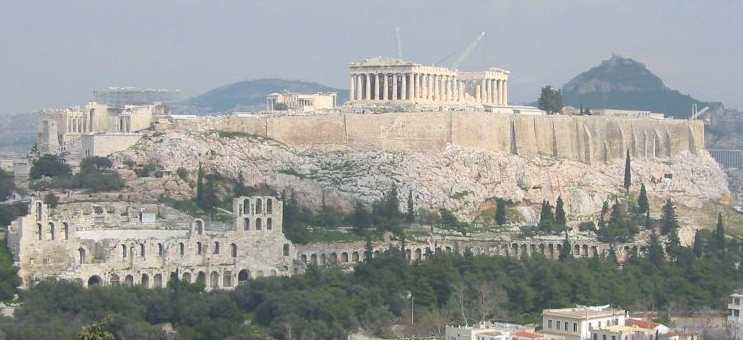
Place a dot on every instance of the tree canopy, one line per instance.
(550, 100)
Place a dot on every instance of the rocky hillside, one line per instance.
(466, 181)
(625, 83)
(249, 95)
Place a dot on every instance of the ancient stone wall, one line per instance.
(581, 138)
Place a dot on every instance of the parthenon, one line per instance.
(384, 80)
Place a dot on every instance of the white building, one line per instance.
(494, 331)
(622, 333)
(576, 323)
(735, 305)
(288, 101)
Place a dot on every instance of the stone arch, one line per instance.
(214, 280)
(408, 255)
(199, 248)
(541, 248)
(129, 280)
(258, 206)
(246, 206)
(158, 280)
(585, 250)
(576, 250)
(355, 256)
(313, 259)
(333, 258)
(199, 226)
(524, 250)
(81, 255)
(94, 280)
(186, 277)
(344, 257)
(145, 281)
(243, 276)
(269, 206)
(269, 223)
(303, 258)
(246, 223)
(66, 230)
(227, 279)
(201, 278)
(515, 249)
(551, 250)
(51, 231)
(114, 280)
(233, 250)
(594, 251)
(418, 253)
(323, 259)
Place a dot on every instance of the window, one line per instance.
(269, 223)
(160, 250)
(227, 279)
(81, 252)
(595, 336)
(66, 231)
(258, 224)
(549, 323)
(51, 231)
(233, 250)
(575, 327)
(565, 325)
(141, 250)
(181, 249)
(123, 250)
(269, 206)
(258, 206)
(558, 325)
(603, 337)
(246, 225)
(216, 247)
(39, 232)
(198, 248)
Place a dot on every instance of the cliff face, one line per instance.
(455, 177)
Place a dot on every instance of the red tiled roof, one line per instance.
(527, 334)
(641, 323)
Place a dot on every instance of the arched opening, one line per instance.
(246, 207)
(51, 231)
(258, 206)
(258, 224)
(186, 277)
(333, 258)
(141, 249)
(355, 256)
(576, 250)
(344, 257)
(158, 280)
(114, 280)
(94, 280)
(242, 277)
(129, 281)
(66, 230)
(81, 254)
(123, 250)
(199, 227)
(160, 250)
(38, 211)
(418, 254)
(145, 281)
(269, 206)
(39, 232)
(227, 279)
(233, 250)
(246, 223)
(269, 224)
(181, 249)
(214, 280)
(313, 259)
(201, 278)
(323, 259)
(216, 247)
(286, 249)
(198, 248)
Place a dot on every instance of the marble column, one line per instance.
(413, 85)
(394, 86)
(404, 92)
(359, 87)
(367, 87)
(477, 93)
(427, 86)
(378, 87)
(352, 88)
(505, 92)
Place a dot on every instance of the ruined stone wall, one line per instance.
(581, 138)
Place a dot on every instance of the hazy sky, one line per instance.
(55, 52)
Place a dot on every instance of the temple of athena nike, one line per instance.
(392, 81)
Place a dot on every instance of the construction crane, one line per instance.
(464, 54)
(696, 114)
(399, 42)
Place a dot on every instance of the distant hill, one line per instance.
(17, 132)
(624, 83)
(249, 95)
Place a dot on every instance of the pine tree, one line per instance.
(627, 173)
(719, 235)
(500, 211)
(643, 205)
(655, 250)
(698, 244)
(669, 219)
(560, 218)
(410, 216)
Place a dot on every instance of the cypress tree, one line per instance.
(500, 211)
(669, 219)
(655, 250)
(602, 217)
(698, 247)
(560, 217)
(566, 252)
(720, 236)
(612, 256)
(410, 216)
(627, 173)
(643, 205)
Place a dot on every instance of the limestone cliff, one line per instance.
(455, 177)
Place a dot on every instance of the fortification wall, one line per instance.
(580, 138)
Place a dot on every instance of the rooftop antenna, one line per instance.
(399, 42)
